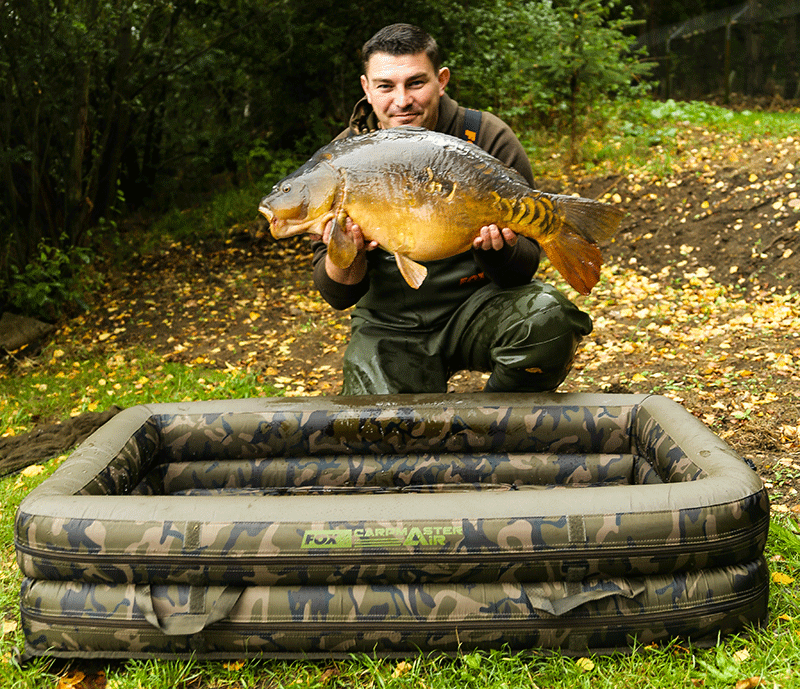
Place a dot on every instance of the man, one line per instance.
(479, 310)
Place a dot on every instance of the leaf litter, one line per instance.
(698, 301)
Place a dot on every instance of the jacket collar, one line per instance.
(363, 120)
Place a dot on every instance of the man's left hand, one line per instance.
(491, 237)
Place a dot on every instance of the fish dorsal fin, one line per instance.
(413, 273)
(341, 247)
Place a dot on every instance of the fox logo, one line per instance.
(327, 538)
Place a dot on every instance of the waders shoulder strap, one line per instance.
(472, 124)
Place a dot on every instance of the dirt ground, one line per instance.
(696, 302)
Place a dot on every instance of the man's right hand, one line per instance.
(356, 271)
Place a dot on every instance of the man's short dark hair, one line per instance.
(402, 39)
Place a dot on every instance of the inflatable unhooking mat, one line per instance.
(327, 526)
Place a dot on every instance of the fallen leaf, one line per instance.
(749, 683)
(781, 579)
(741, 655)
(402, 668)
(233, 666)
(72, 679)
(32, 470)
(326, 676)
(585, 664)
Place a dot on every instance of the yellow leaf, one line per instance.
(741, 655)
(71, 679)
(9, 626)
(781, 579)
(254, 315)
(234, 666)
(584, 664)
(748, 683)
(32, 470)
(785, 617)
(402, 668)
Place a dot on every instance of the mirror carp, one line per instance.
(424, 196)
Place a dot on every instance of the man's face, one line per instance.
(404, 89)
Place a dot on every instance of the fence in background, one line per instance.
(750, 48)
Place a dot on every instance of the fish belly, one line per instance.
(429, 217)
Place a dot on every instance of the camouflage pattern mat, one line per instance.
(418, 491)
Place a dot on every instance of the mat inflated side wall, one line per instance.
(78, 619)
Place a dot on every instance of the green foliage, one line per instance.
(547, 64)
(50, 281)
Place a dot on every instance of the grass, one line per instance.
(649, 137)
(57, 385)
(59, 381)
(66, 380)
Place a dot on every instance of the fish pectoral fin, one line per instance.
(341, 247)
(413, 273)
(577, 260)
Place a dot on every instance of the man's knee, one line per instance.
(535, 366)
(537, 344)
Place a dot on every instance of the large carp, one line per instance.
(424, 196)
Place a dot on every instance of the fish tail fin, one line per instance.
(577, 259)
(595, 221)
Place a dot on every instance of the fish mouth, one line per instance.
(281, 228)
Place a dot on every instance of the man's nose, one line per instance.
(403, 97)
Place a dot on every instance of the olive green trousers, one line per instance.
(526, 337)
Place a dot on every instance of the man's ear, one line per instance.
(365, 86)
(444, 78)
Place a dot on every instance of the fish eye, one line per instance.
(286, 187)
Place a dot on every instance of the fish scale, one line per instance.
(424, 196)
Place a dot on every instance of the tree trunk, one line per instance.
(753, 70)
(76, 201)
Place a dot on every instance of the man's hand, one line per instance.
(356, 271)
(491, 237)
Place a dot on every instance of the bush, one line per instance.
(49, 284)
